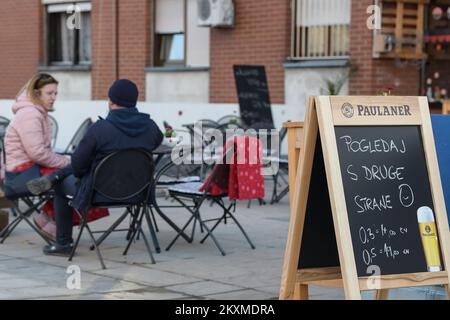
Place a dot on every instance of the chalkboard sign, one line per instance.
(318, 247)
(385, 182)
(253, 94)
(388, 225)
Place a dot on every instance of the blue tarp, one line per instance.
(441, 132)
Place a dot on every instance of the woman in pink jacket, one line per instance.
(28, 141)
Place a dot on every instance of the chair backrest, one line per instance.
(183, 136)
(78, 136)
(199, 135)
(124, 176)
(4, 122)
(283, 133)
(231, 120)
(54, 130)
(224, 160)
(207, 123)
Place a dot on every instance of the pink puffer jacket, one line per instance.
(28, 137)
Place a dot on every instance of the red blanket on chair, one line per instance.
(241, 178)
(93, 214)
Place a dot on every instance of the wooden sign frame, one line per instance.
(323, 114)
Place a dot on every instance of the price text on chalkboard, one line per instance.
(386, 181)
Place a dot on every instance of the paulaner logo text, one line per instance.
(384, 110)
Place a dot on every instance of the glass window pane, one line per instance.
(85, 38)
(169, 49)
(320, 28)
(61, 39)
(67, 40)
(177, 48)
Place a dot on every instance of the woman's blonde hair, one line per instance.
(36, 83)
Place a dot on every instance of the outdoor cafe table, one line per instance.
(160, 152)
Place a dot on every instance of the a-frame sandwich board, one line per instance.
(320, 245)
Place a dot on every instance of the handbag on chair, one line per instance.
(16, 182)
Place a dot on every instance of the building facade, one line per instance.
(308, 47)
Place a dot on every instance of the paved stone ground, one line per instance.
(187, 271)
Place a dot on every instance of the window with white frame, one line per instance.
(68, 33)
(320, 28)
(178, 40)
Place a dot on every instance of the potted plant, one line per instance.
(169, 135)
(389, 91)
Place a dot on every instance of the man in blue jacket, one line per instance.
(124, 128)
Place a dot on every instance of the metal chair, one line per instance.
(188, 196)
(281, 175)
(4, 122)
(54, 130)
(168, 174)
(206, 124)
(129, 186)
(280, 179)
(78, 136)
(33, 204)
(231, 120)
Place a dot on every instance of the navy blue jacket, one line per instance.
(122, 129)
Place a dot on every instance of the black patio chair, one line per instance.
(207, 123)
(4, 122)
(122, 179)
(33, 204)
(168, 174)
(54, 130)
(231, 120)
(188, 196)
(29, 204)
(280, 179)
(78, 136)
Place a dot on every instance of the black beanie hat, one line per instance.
(124, 93)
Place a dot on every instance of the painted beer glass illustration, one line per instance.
(428, 233)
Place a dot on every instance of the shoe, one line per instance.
(58, 250)
(49, 231)
(42, 184)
